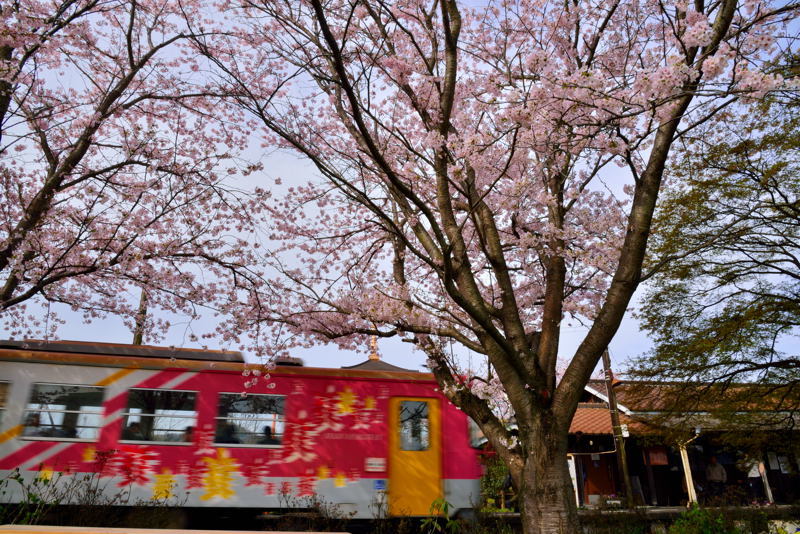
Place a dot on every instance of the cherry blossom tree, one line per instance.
(484, 176)
(114, 164)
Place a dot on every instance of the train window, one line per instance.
(414, 426)
(476, 437)
(159, 415)
(250, 420)
(64, 411)
(3, 397)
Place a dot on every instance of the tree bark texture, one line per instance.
(546, 498)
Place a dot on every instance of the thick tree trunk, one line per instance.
(547, 499)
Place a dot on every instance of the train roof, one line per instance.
(148, 357)
(117, 349)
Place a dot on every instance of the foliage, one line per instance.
(311, 512)
(481, 524)
(439, 514)
(493, 482)
(39, 495)
(619, 522)
(698, 520)
(78, 499)
(722, 303)
(726, 520)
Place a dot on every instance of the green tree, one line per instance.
(723, 304)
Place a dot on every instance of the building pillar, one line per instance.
(619, 438)
(687, 473)
(651, 479)
(573, 473)
(762, 469)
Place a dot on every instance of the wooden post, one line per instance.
(619, 439)
(579, 477)
(762, 469)
(651, 479)
(687, 472)
(572, 461)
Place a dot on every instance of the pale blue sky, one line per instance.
(629, 341)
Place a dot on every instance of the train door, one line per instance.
(415, 461)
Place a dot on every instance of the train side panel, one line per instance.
(333, 434)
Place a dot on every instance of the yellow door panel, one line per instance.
(415, 455)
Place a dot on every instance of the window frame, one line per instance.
(4, 397)
(424, 432)
(27, 411)
(125, 414)
(218, 418)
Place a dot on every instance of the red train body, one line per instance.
(162, 422)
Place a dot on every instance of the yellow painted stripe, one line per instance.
(12, 432)
(110, 379)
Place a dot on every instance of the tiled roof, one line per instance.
(594, 418)
(377, 365)
(642, 396)
(591, 420)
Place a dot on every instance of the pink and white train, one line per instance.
(371, 439)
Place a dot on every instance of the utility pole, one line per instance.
(619, 439)
(141, 317)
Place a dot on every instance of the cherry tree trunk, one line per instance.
(547, 498)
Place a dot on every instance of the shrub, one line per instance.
(698, 520)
